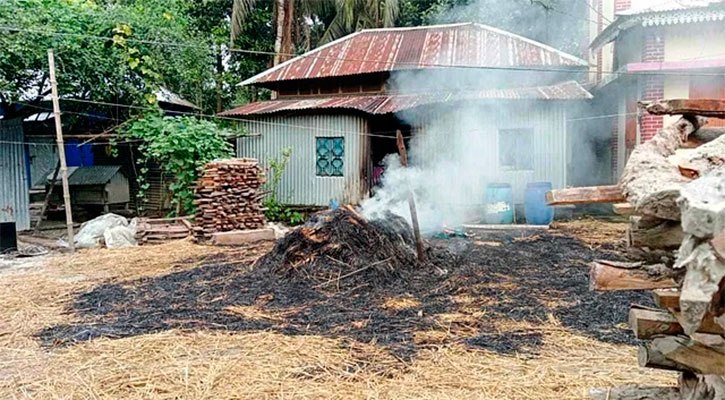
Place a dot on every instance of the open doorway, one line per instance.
(382, 143)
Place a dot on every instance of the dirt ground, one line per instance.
(512, 319)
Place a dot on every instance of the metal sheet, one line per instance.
(454, 127)
(392, 49)
(569, 90)
(300, 184)
(14, 196)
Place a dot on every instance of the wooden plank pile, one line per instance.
(675, 204)
(159, 230)
(228, 197)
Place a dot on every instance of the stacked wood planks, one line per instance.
(159, 230)
(228, 197)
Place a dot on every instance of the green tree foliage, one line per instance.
(182, 146)
(126, 68)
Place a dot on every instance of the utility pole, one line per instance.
(61, 150)
(411, 200)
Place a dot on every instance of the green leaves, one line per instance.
(182, 146)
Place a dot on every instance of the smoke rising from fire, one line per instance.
(456, 149)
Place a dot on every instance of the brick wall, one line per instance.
(652, 86)
(622, 5)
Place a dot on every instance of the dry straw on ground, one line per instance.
(264, 365)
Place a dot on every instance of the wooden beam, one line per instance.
(648, 323)
(585, 195)
(707, 325)
(411, 199)
(624, 209)
(607, 278)
(654, 233)
(636, 392)
(668, 299)
(702, 107)
(683, 354)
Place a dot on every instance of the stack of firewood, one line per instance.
(159, 230)
(228, 197)
(675, 199)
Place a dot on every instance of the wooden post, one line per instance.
(61, 149)
(411, 199)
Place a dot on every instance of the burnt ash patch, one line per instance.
(519, 281)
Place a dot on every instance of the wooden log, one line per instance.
(702, 136)
(702, 107)
(648, 323)
(701, 387)
(625, 209)
(683, 354)
(636, 392)
(585, 195)
(668, 299)
(607, 278)
(654, 233)
(650, 181)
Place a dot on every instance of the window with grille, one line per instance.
(330, 153)
(515, 147)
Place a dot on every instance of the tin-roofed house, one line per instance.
(338, 107)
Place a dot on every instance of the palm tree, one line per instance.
(349, 16)
(353, 15)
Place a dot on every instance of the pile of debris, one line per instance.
(342, 249)
(228, 197)
(677, 198)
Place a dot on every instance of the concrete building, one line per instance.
(646, 50)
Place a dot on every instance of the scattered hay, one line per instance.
(594, 232)
(400, 303)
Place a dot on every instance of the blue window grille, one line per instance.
(330, 153)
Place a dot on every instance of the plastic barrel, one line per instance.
(499, 204)
(8, 237)
(535, 207)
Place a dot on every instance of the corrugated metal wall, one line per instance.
(13, 177)
(300, 183)
(473, 131)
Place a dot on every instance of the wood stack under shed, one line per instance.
(228, 197)
(676, 199)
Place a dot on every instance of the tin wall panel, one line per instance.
(269, 135)
(14, 198)
(455, 132)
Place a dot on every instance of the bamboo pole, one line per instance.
(411, 199)
(61, 149)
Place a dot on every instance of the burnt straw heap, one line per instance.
(341, 248)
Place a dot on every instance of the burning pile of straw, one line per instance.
(343, 248)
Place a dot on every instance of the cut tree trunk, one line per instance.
(647, 323)
(585, 195)
(636, 392)
(650, 181)
(654, 233)
(683, 354)
(668, 299)
(604, 277)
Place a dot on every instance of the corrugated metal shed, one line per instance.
(394, 49)
(300, 183)
(384, 104)
(14, 196)
(93, 175)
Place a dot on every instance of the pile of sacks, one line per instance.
(109, 230)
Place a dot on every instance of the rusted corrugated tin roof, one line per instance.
(384, 104)
(391, 49)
